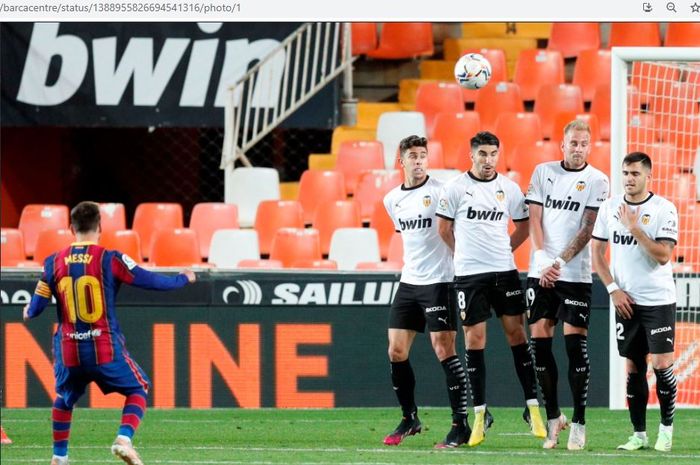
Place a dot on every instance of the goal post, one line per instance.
(655, 108)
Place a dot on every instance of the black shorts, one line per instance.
(475, 296)
(414, 306)
(652, 329)
(569, 302)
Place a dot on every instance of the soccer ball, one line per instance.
(472, 71)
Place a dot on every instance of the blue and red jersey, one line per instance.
(85, 279)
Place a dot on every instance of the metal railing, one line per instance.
(279, 84)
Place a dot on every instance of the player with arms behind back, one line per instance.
(564, 198)
(422, 296)
(643, 230)
(88, 345)
(473, 216)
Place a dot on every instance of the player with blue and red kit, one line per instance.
(88, 345)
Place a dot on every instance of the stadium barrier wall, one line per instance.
(267, 339)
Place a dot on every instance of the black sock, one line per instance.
(579, 373)
(476, 371)
(666, 392)
(404, 384)
(522, 358)
(456, 386)
(547, 374)
(637, 399)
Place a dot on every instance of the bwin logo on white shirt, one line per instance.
(250, 291)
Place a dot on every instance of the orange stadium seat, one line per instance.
(357, 156)
(438, 97)
(570, 39)
(51, 241)
(537, 68)
(453, 131)
(275, 214)
(641, 128)
(526, 156)
(689, 235)
(368, 113)
(175, 247)
(343, 133)
(149, 217)
(682, 35)
(516, 128)
(125, 241)
(600, 106)
(333, 214)
(652, 78)
(372, 187)
(382, 223)
(404, 40)
(680, 189)
(317, 186)
(207, 217)
(591, 71)
(112, 217)
(553, 99)
(307, 263)
(292, 244)
(12, 247)
(683, 131)
(379, 266)
(600, 156)
(634, 35)
(495, 99)
(499, 69)
(39, 217)
(395, 252)
(252, 263)
(677, 98)
(364, 37)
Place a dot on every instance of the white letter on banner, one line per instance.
(239, 54)
(44, 44)
(149, 81)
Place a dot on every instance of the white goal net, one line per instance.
(655, 109)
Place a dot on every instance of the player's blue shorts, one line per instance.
(122, 375)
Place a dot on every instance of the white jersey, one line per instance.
(427, 259)
(634, 270)
(564, 194)
(481, 211)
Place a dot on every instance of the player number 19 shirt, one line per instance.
(564, 194)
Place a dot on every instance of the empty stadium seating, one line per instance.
(149, 217)
(634, 34)
(231, 246)
(315, 264)
(175, 247)
(334, 214)
(682, 34)
(364, 37)
(438, 97)
(275, 214)
(260, 264)
(292, 244)
(354, 157)
(553, 99)
(125, 241)
(112, 217)
(350, 246)
(395, 126)
(537, 68)
(207, 217)
(249, 187)
(39, 217)
(570, 39)
(319, 186)
(51, 241)
(404, 40)
(453, 130)
(11, 247)
(495, 99)
(372, 186)
(592, 70)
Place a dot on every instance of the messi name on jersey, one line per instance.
(416, 223)
(567, 204)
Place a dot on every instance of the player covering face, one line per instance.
(422, 298)
(642, 229)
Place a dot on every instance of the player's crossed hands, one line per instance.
(623, 304)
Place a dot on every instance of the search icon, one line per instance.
(670, 6)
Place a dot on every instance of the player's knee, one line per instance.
(662, 361)
(516, 336)
(397, 353)
(637, 365)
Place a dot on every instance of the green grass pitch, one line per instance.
(351, 436)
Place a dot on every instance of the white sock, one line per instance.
(668, 429)
(479, 408)
(532, 403)
(641, 434)
(124, 438)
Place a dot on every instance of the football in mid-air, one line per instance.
(472, 71)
